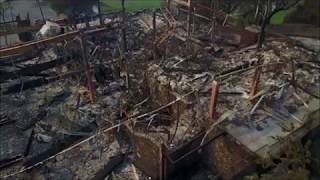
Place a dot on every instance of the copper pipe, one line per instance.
(213, 101)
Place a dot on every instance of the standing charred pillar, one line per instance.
(189, 19)
(124, 47)
(214, 6)
(168, 4)
(87, 20)
(4, 25)
(24, 36)
(100, 15)
(42, 15)
(265, 22)
(123, 28)
(270, 10)
(193, 19)
(154, 35)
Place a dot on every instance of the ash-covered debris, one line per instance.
(169, 81)
(81, 163)
(42, 119)
(134, 101)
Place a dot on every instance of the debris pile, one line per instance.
(142, 97)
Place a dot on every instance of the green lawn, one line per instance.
(279, 18)
(130, 5)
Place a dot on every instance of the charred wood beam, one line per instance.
(40, 115)
(8, 61)
(55, 148)
(35, 83)
(25, 85)
(26, 152)
(10, 161)
(241, 66)
(114, 162)
(8, 22)
(32, 70)
(306, 90)
(6, 122)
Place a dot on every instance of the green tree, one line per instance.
(266, 9)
